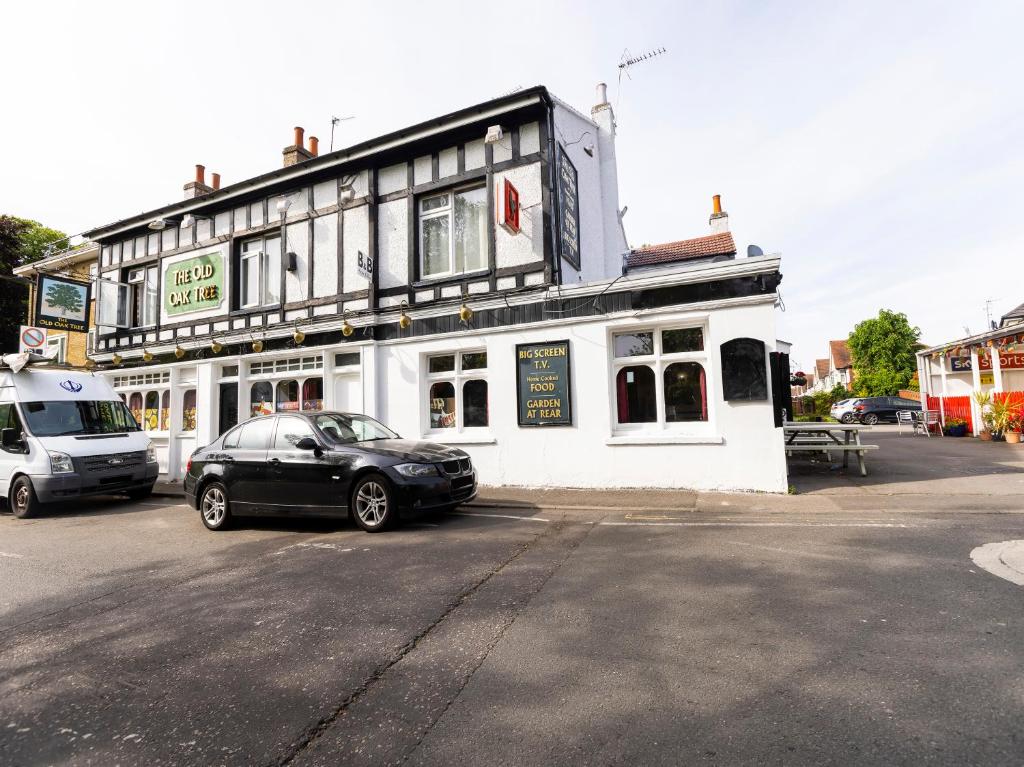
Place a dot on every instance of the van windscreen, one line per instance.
(64, 417)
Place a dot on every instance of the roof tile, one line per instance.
(840, 352)
(720, 244)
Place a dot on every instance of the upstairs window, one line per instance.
(453, 232)
(141, 297)
(259, 280)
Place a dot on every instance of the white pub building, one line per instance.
(465, 281)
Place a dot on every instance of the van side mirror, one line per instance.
(11, 441)
(308, 443)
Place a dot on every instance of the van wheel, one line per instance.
(373, 504)
(214, 507)
(22, 500)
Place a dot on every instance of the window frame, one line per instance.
(458, 377)
(658, 361)
(261, 256)
(447, 211)
(135, 295)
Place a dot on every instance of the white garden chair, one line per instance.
(906, 418)
(928, 419)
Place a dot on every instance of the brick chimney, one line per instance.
(198, 187)
(719, 218)
(297, 152)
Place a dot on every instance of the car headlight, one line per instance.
(417, 470)
(150, 453)
(60, 463)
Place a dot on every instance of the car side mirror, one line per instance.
(11, 440)
(308, 443)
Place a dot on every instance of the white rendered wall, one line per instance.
(528, 245)
(738, 449)
(601, 246)
(393, 244)
(357, 238)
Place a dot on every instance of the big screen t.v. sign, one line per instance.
(544, 384)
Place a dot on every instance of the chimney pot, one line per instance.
(298, 135)
(200, 174)
(602, 94)
(314, 145)
(719, 218)
(216, 181)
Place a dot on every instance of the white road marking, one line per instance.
(12, 556)
(754, 524)
(1005, 559)
(499, 516)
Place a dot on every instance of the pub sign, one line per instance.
(544, 384)
(568, 210)
(62, 304)
(194, 284)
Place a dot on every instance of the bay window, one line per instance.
(456, 391)
(453, 232)
(259, 270)
(660, 377)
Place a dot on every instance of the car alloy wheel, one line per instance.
(214, 507)
(847, 418)
(871, 419)
(371, 504)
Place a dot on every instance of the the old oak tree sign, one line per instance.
(544, 384)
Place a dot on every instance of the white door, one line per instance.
(348, 394)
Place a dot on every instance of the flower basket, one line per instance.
(960, 430)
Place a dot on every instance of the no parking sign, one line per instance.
(32, 340)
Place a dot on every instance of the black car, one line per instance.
(871, 410)
(326, 464)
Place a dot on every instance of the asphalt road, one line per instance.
(130, 635)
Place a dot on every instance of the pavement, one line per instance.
(736, 633)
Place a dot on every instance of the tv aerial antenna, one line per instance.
(628, 61)
(334, 122)
(988, 312)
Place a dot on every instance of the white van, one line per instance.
(64, 434)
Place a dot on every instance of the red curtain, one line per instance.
(703, 395)
(623, 399)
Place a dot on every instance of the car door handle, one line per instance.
(227, 459)
(274, 461)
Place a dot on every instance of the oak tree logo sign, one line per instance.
(63, 300)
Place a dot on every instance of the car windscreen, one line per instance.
(346, 428)
(63, 417)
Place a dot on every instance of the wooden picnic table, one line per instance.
(821, 437)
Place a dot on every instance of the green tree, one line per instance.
(883, 354)
(66, 297)
(21, 242)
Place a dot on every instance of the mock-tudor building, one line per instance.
(464, 280)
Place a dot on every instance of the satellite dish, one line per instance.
(753, 251)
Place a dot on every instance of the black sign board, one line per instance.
(568, 210)
(544, 384)
(62, 304)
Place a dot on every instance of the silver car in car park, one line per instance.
(843, 411)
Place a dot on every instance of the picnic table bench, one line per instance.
(819, 437)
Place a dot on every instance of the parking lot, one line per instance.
(725, 629)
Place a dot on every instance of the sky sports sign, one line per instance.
(1007, 361)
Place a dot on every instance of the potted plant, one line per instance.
(956, 427)
(984, 402)
(1003, 413)
(1013, 428)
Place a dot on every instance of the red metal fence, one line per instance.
(953, 407)
(960, 407)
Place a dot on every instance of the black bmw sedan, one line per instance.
(326, 464)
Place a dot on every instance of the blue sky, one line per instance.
(876, 146)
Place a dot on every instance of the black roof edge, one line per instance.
(312, 165)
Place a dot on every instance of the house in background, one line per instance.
(79, 263)
(834, 370)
